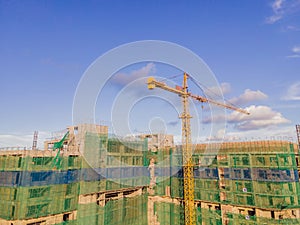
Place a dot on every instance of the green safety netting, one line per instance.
(58, 145)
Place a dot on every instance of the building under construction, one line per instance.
(89, 177)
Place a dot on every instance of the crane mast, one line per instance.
(188, 172)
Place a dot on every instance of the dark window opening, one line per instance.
(245, 161)
(15, 193)
(66, 216)
(13, 211)
(290, 186)
(262, 174)
(248, 186)
(17, 178)
(37, 160)
(72, 160)
(271, 202)
(67, 204)
(272, 214)
(247, 174)
(292, 200)
(251, 213)
(40, 176)
(20, 162)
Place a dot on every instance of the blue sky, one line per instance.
(253, 48)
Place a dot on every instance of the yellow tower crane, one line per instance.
(189, 206)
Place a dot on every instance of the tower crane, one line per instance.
(188, 179)
(35, 139)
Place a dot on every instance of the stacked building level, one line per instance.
(87, 176)
(239, 183)
(100, 180)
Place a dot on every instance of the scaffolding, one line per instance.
(107, 181)
(33, 190)
(257, 180)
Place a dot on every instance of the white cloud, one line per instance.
(284, 133)
(277, 10)
(23, 140)
(260, 117)
(249, 96)
(296, 49)
(224, 87)
(273, 19)
(282, 8)
(8, 140)
(124, 78)
(277, 4)
(293, 92)
(292, 28)
(293, 56)
(220, 135)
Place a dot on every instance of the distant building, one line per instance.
(159, 141)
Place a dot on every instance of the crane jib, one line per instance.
(182, 91)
